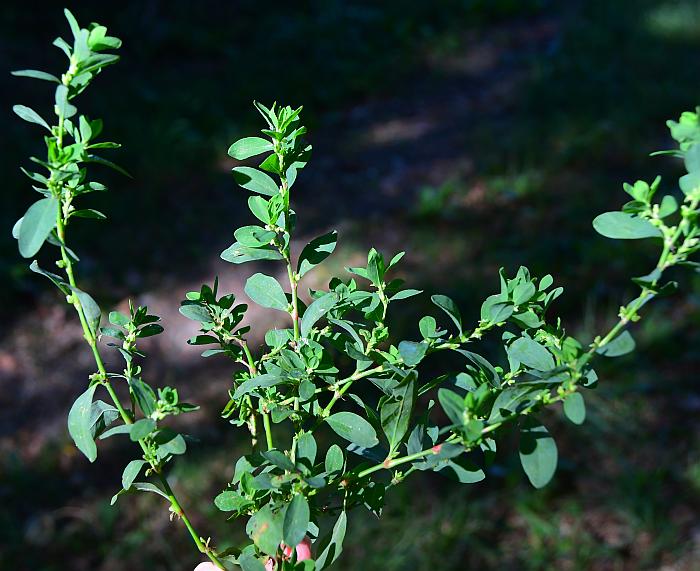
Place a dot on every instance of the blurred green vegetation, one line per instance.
(587, 103)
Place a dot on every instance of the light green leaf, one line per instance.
(531, 354)
(35, 74)
(296, 520)
(624, 226)
(254, 236)
(30, 115)
(510, 401)
(261, 381)
(249, 147)
(307, 448)
(65, 109)
(265, 529)
(255, 180)
(353, 428)
(334, 459)
(230, 501)
(141, 428)
(575, 408)
(237, 253)
(266, 291)
(80, 424)
(621, 345)
(690, 182)
(131, 472)
(538, 453)
(36, 226)
(91, 310)
(248, 562)
(412, 352)
(316, 311)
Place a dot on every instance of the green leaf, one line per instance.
(261, 381)
(353, 428)
(412, 352)
(279, 459)
(334, 459)
(538, 453)
(531, 354)
(624, 226)
(65, 109)
(266, 291)
(690, 182)
(575, 408)
(80, 424)
(258, 206)
(316, 251)
(230, 501)
(428, 327)
(248, 562)
(36, 226)
(307, 448)
(30, 115)
(450, 308)
(265, 529)
(195, 312)
(668, 206)
(141, 487)
(91, 310)
(395, 413)
(169, 443)
(56, 279)
(510, 401)
(495, 309)
(35, 74)
(144, 395)
(692, 158)
(254, 236)
(141, 428)
(109, 164)
(316, 311)
(621, 345)
(237, 253)
(296, 520)
(88, 213)
(523, 293)
(405, 294)
(453, 405)
(255, 180)
(249, 147)
(131, 472)
(335, 546)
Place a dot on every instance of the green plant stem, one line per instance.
(268, 430)
(629, 312)
(125, 415)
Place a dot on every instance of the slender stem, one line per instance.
(389, 464)
(268, 430)
(126, 416)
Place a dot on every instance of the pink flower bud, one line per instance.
(206, 567)
(304, 550)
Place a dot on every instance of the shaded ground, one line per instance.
(486, 140)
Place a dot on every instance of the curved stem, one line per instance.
(125, 415)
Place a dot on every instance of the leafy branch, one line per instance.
(336, 370)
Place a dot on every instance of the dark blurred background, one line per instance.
(473, 135)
